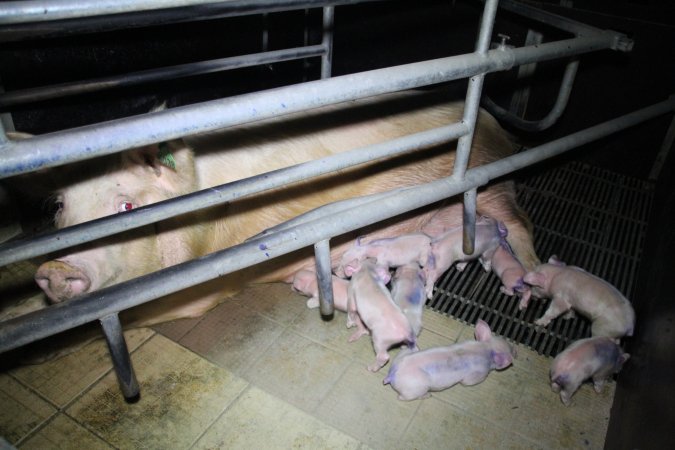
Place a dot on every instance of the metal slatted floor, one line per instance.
(589, 217)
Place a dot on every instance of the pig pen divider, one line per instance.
(109, 301)
(91, 141)
(63, 147)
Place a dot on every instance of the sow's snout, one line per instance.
(61, 281)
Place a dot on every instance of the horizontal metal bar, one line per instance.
(13, 12)
(178, 71)
(81, 143)
(23, 19)
(622, 42)
(54, 319)
(88, 231)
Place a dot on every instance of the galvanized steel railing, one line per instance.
(87, 142)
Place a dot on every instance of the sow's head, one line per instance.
(116, 184)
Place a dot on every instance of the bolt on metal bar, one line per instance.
(327, 41)
(119, 353)
(324, 276)
(553, 115)
(178, 71)
(471, 103)
(60, 317)
(85, 142)
(88, 231)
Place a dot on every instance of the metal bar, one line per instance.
(521, 97)
(106, 226)
(327, 41)
(553, 115)
(3, 136)
(666, 146)
(145, 76)
(324, 278)
(554, 20)
(20, 18)
(469, 222)
(13, 12)
(471, 103)
(85, 142)
(6, 122)
(622, 42)
(60, 317)
(119, 353)
(474, 90)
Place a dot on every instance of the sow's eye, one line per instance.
(125, 206)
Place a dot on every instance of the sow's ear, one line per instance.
(170, 164)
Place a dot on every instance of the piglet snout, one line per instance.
(61, 281)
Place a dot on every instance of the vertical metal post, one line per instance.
(305, 43)
(470, 114)
(469, 222)
(6, 122)
(3, 136)
(265, 41)
(324, 278)
(521, 97)
(474, 90)
(119, 353)
(327, 41)
(663, 152)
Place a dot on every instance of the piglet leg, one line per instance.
(556, 308)
(381, 357)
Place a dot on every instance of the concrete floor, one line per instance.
(263, 371)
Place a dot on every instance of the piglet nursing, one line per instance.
(413, 375)
(391, 252)
(446, 249)
(511, 272)
(597, 358)
(371, 308)
(305, 282)
(572, 288)
(407, 291)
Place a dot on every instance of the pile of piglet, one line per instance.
(393, 316)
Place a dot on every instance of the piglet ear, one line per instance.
(555, 261)
(383, 273)
(352, 267)
(534, 279)
(482, 332)
(503, 231)
(502, 360)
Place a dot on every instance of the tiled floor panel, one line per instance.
(262, 371)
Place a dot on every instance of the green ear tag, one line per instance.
(165, 157)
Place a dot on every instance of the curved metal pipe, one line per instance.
(551, 118)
